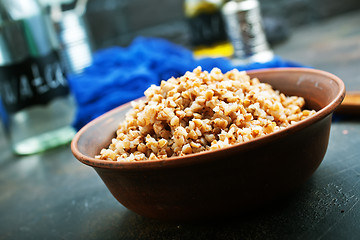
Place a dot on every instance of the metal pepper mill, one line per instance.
(245, 29)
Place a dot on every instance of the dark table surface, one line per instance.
(53, 196)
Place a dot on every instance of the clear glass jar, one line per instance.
(33, 87)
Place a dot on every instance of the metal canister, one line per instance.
(33, 87)
(245, 29)
(74, 37)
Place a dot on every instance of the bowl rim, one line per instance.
(200, 157)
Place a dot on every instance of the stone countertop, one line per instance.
(53, 196)
(332, 45)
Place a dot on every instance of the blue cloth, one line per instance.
(118, 75)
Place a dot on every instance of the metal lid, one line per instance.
(24, 31)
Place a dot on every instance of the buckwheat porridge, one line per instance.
(201, 111)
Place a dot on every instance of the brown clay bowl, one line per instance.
(227, 181)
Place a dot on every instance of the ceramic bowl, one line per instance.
(227, 181)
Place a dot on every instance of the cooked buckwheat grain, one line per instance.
(201, 111)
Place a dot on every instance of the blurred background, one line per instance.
(117, 22)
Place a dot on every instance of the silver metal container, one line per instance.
(245, 29)
(74, 37)
(33, 87)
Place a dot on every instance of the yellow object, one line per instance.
(224, 49)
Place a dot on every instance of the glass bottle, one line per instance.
(33, 87)
(207, 31)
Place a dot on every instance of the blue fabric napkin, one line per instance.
(120, 74)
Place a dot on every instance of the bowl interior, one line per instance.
(98, 134)
(322, 91)
(319, 88)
